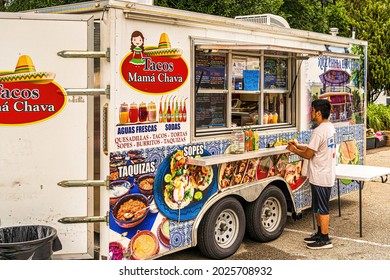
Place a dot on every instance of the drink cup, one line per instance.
(123, 114)
(133, 114)
(275, 118)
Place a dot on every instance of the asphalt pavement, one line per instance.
(344, 229)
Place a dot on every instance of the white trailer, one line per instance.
(153, 96)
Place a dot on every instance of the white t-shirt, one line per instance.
(321, 169)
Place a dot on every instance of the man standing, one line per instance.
(320, 152)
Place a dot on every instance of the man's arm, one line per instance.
(300, 150)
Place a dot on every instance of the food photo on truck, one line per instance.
(173, 129)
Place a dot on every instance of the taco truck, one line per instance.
(161, 129)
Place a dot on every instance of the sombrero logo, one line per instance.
(154, 70)
(28, 96)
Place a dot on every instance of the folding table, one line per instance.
(360, 174)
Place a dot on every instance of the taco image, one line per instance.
(348, 152)
(281, 165)
(178, 162)
(200, 177)
(226, 173)
(183, 180)
(178, 193)
(250, 174)
(293, 172)
(240, 171)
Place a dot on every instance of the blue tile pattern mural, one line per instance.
(181, 232)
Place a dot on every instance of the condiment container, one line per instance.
(275, 118)
(265, 118)
(143, 112)
(133, 114)
(270, 118)
(152, 111)
(123, 113)
(238, 143)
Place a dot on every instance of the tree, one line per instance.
(312, 15)
(337, 16)
(305, 15)
(23, 5)
(3, 4)
(227, 8)
(372, 22)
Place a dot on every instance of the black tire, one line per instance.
(267, 215)
(222, 229)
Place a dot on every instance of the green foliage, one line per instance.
(372, 22)
(227, 8)
(357, 102)
(300, 14)
(24, 5)
(337, 16)
(271, 7)
(378, 117)
(305, 15)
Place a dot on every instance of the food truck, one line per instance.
(163, 129)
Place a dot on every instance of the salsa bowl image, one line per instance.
(145, 184)
(143, 245)
(118, 189)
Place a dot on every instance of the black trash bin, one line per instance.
(32, 242)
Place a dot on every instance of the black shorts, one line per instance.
(320, 199)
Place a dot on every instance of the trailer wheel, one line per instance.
(267, 215)
(222, 229)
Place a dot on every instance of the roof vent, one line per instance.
(334, 31)
(268, 19)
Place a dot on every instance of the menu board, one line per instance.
(275, 73)
(210, 109)
(238, 67)
(210, 71)
(251, 79)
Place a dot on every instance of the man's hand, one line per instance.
(301, 150)
(292, 141)
(291, 146)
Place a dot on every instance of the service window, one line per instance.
(275, 73)
(276, 88)
(245, 90)
(211, 90)
(236, 88)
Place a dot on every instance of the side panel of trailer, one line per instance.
(165, 85)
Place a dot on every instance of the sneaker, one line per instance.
(313, 238)
(320, 244)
